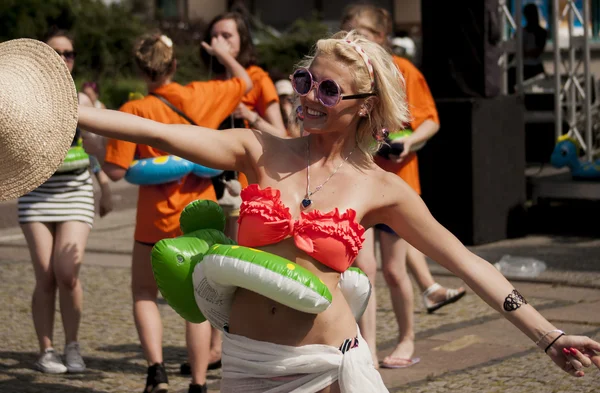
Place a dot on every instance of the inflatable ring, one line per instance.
(76, 158)
(224, 268)
(165, 169)
(199, 272)
(356, 287)
(211, 214)
(174, 261)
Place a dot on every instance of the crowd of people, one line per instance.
(310, 200)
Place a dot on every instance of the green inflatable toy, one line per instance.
(76, 158)
(198, 273)
(173, 262)
(202, 214)
(224, 268)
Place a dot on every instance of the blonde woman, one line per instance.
(318, 194)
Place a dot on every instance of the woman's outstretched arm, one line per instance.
(211, 148)
(410, 219)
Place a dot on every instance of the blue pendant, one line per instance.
(306, 202)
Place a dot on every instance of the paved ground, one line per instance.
(465, 347)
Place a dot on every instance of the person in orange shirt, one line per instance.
(376, 24)
(259, 109)
(159, 206)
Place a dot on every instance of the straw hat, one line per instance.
(38, 115)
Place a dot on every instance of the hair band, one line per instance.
(365, 58)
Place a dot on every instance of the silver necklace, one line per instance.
(306, 202)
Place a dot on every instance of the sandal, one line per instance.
(394, 363)
(452, 295)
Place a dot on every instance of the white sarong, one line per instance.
(252, 366)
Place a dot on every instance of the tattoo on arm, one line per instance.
(513, 301)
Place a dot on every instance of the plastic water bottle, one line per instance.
(522, 267)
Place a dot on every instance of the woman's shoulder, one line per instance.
(384, 183)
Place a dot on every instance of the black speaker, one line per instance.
(473, 170)
(461, 48)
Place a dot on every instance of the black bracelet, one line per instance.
(553, 341)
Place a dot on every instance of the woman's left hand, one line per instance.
(407, 144)
(574, 353)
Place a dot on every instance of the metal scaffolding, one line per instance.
(572, 103)
(512, 42)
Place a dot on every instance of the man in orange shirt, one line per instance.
(159, 206)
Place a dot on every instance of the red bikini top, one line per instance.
(332, 238)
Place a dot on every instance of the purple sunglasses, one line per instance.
(329, 92)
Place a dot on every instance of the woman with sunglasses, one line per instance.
(375, 23)
(56, 219)
(309, 202)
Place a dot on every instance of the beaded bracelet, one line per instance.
(553, 341)
(551, 331)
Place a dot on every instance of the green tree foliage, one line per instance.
(104, 38)
(32, 18)
(280, 54)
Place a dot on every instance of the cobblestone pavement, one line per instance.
(465, 347)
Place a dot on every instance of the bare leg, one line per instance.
(145, 309)
(393, 257)
(418, 266)
(216, 345)
(197, 337)
(367, 323)
(40, 240)
(69, 246)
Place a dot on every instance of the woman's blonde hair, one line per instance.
(389, 110)
(155, 55)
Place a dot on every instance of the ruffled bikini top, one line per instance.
(332, 238)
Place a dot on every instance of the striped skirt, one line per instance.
(64, 197)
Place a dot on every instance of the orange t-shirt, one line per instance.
(159, 206)
(422, 107)
(258, 99)
(263, 93)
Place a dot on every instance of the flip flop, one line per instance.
(452, 295)
(409, 363)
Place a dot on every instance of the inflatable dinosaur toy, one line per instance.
(566, 153)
